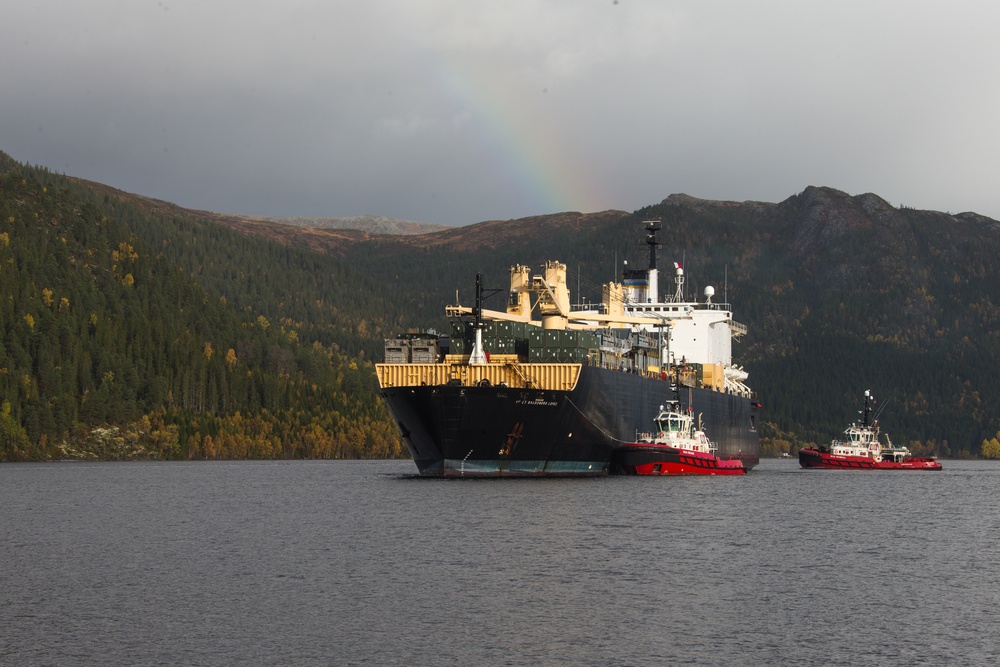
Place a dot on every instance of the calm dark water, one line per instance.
(344, 563)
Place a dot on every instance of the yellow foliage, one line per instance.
(124, 252)
(991, 447)
(208, 447)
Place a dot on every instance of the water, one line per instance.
(359, 563)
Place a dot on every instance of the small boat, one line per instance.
(676, 447)
(863, 450)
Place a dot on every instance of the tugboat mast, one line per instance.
(868, 407)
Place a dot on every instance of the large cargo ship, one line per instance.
(544, 388)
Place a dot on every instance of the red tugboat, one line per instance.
(675, 448)
(862, 450)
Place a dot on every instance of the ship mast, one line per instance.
(653, 295)
(478, 356)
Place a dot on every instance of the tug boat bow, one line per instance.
(676, 447)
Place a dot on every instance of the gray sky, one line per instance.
(458, 111)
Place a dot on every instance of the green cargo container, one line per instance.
(501, 346)
(548, 355)
(588, 340)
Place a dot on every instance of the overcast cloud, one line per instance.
(458, 111)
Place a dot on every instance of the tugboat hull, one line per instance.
(645, 459)
(813, 458)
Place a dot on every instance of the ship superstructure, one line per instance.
(542, 388)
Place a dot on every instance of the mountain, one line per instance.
(131, 327)
(841, 294)
(844, 294)
(373, 224)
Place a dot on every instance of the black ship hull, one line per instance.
(492, 431)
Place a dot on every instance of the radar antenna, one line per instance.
(679, 280)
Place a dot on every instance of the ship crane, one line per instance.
(552, 303)
(548, 295)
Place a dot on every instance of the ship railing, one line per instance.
(710, 306)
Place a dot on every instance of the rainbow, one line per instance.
(525, 148)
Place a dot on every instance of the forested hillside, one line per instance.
(126, 333)
(131, 327)
(849, 293)
(840, 294)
